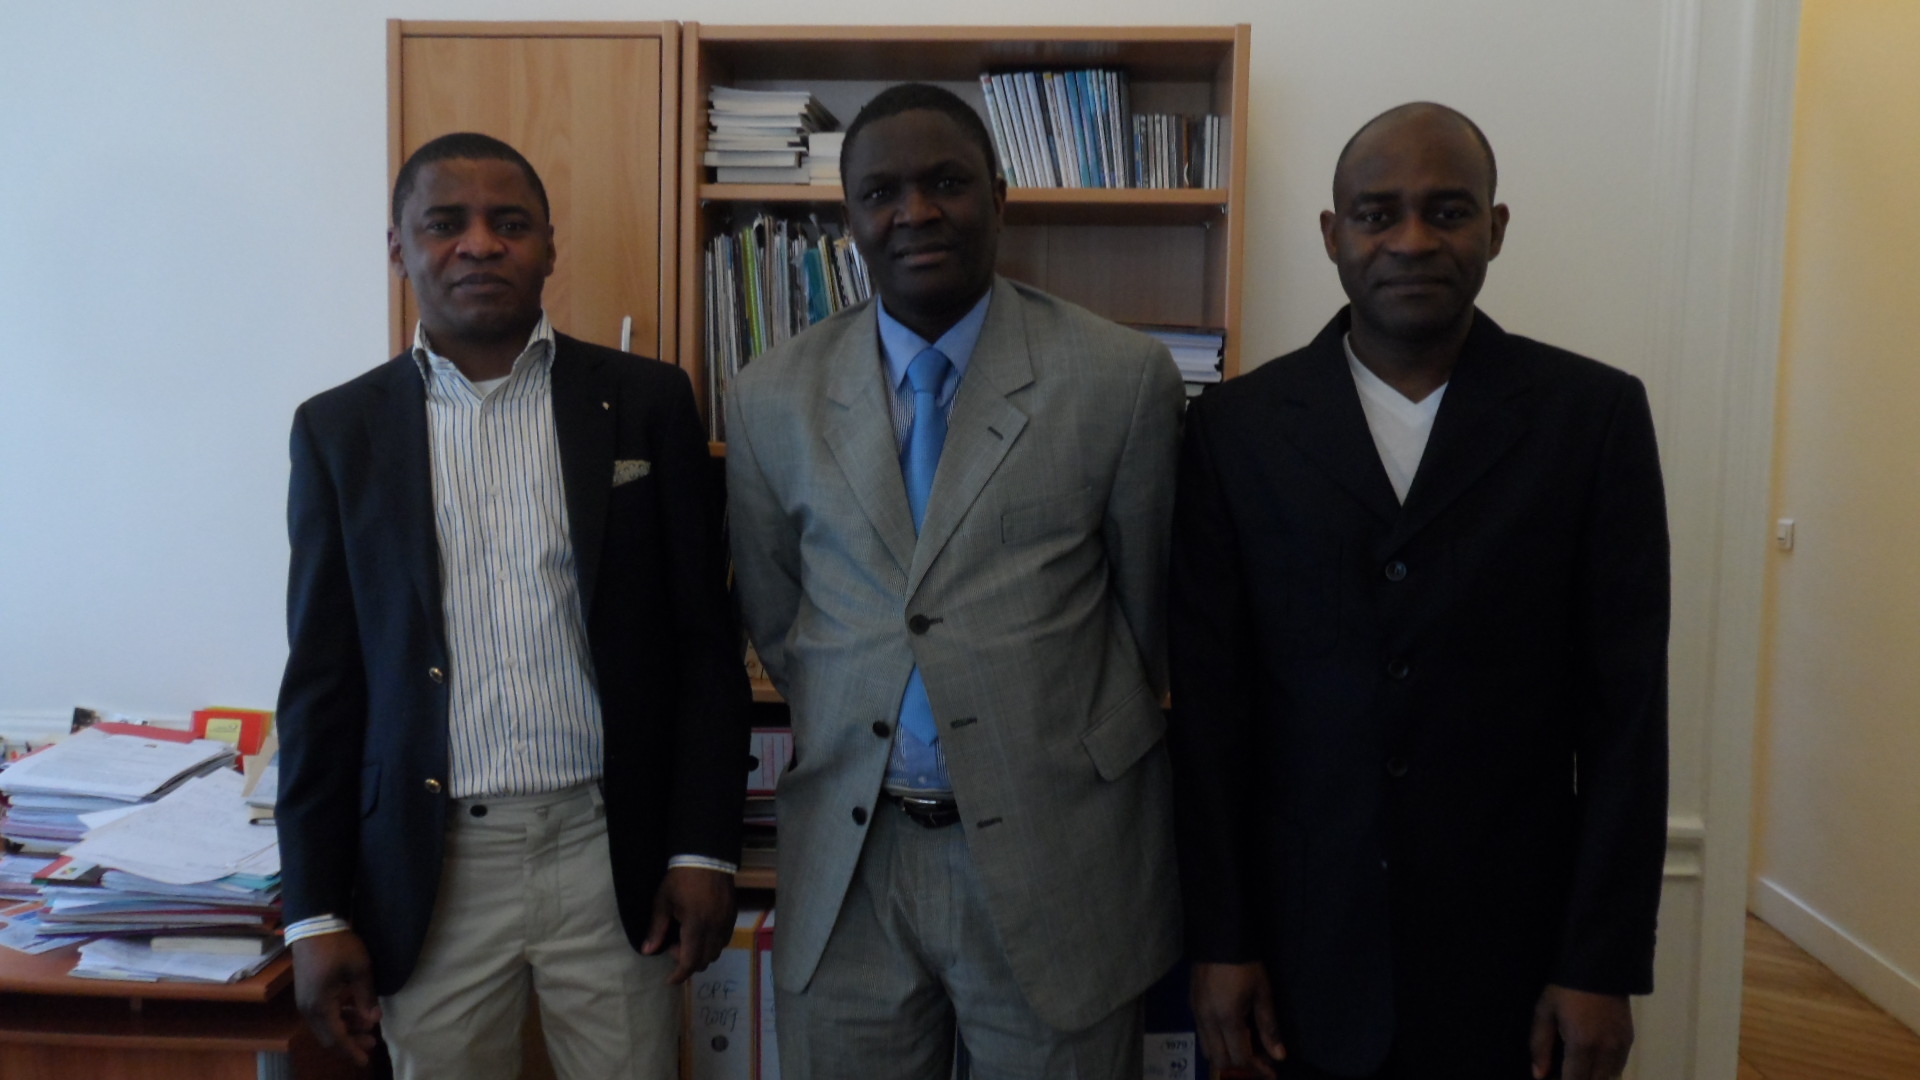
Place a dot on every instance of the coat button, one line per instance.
(882, 728)
(1398, 669)
(859, 815)
(433, 787)
(1396, 571)
(919, 623)
(1396, 766)
(436, 675)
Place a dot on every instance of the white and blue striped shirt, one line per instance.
(523, 715)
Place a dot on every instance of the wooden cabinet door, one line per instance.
(589, 105)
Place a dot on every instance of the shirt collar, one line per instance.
(539, 351)
(900, 345)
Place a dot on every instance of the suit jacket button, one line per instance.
(919, 623)
(433, 787)
(859, 815)
(1399, 669)
(882, 728)
(1396, 767)
(436, 675)
(1396, 571)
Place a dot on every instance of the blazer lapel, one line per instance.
(861, 437)
(981, 428)
(583, 425)
(1326, 424)
(397, 432)
(1476, 425)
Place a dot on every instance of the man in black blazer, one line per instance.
(1420, 683)
(513, 719)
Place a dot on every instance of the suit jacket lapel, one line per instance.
(397, 431)
(1476, 425)
(981, 428)
(861, 437)
(1325, 422)
(583, 425)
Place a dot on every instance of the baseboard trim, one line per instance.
(1877, 978)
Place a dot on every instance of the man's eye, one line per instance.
(949, 184)
(875, 196)
(1371, 217)
(440, 228)
(513, 227)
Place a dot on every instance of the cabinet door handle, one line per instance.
(626, 334)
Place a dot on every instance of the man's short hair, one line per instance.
(1493, 169)
(463, 146)
(907, 97)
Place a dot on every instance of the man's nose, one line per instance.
(481, 242)
(1414, 235)
(916, 208)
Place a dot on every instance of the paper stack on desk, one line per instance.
(136, 961)
(94, 770)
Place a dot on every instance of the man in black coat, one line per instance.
(513, 719)
(1419, 633)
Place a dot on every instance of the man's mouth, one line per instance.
(482, 283)
(917, 255)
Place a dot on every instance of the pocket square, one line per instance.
(626, 472)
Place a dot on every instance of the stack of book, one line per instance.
(1178, 151)
(1196, 352)
(760, 136)
(1061, 129)
(765, 282)
(823, 157)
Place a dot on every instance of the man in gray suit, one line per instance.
(951, 512)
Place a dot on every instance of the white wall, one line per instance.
(1838, 809)
(192, 200)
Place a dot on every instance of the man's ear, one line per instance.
(1327, 221)
(393, 253)
(1499, 216)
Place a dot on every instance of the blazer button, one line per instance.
(859, 815)
(882, 728)
(436, 675)
(919, 623)
(1396, 766)
(1399, 669)
(433, 787)
(1396, 571)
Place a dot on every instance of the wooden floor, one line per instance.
(1799, 1021)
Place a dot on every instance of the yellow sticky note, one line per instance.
(226, 729)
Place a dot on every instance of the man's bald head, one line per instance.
(1421, 116)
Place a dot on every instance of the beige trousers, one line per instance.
(526, 901)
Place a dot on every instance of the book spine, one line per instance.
(1009, 166)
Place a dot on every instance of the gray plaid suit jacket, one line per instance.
(1032, 600)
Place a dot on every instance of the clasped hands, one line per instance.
(1240, 1030)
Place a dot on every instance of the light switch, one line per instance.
(1783, 534)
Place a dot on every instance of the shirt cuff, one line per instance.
(703, 863)
(314, 927)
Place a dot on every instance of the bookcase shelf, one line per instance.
(1139, 255)
(1025, 205)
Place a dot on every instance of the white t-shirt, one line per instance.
(1400, 427)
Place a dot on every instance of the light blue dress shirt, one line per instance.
(916, 768)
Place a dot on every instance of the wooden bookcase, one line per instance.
(1134, 255)
(594, 107)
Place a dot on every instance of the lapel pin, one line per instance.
(606, 405)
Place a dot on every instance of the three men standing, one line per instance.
(1418, 620)
(513, 719)
(950, 516)
(1419, 639)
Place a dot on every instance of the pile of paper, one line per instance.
(95, 770)
(17, 873)
(138, 961)
(761, 136)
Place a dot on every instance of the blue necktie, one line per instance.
(927, 373)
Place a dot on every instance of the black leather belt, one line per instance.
(928, 813)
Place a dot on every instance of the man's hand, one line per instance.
(1597, 1029)
(1223, 997)
(333, 985)
(701, 901)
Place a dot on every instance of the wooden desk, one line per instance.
(56, 1027)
